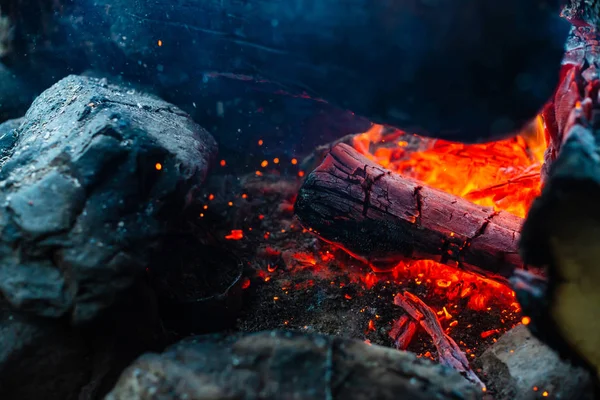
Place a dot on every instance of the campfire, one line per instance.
(197, 204)
(440, 301)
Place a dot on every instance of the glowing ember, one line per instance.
(297, 273)
(236, 234)
(504, 174)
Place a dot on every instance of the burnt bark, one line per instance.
(448, 352)
(384, 218)
(562, 230)
(378, 59)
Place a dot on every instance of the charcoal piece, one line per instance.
(276, 365)
(583, 12)
(97, 176)
(449, 353)
(520, 367)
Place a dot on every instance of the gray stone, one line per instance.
(8, 138)
(47, 358)
(287, 365)
(40, 358)
(519, 367)
(95, 176)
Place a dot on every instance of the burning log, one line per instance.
(500, 78)
(562, 230)
(384, 218)
(449, 354)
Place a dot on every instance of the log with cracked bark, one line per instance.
(384, 218)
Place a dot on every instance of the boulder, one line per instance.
(40, 356)
(286, 365)
(93, 184)
(520, 367)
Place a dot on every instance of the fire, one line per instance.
(474, 310)
(504, 174)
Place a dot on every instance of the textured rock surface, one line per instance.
(8, 138)
(280, 365)
(40, 356)
(95, 176)
(47, 358)
(518, 363)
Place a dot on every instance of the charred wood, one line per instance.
(384, 218)
(562, 230)
(402, 332)
(583, 12)
(449, 354)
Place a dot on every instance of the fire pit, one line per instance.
(174, 229)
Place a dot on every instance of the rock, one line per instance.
(8, 138)
(286, 365)
(518, 363)
(96, 177)
(47, 356)
(40, 356)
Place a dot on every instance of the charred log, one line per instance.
(583, 12)
(384, 218)
(326, 51)
(562, 230)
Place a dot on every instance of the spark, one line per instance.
(236, 234)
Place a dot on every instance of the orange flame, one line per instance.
(504, 174)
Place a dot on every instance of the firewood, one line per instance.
(402, 332)
(449, 354)
(384, 218)
(562, 230)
